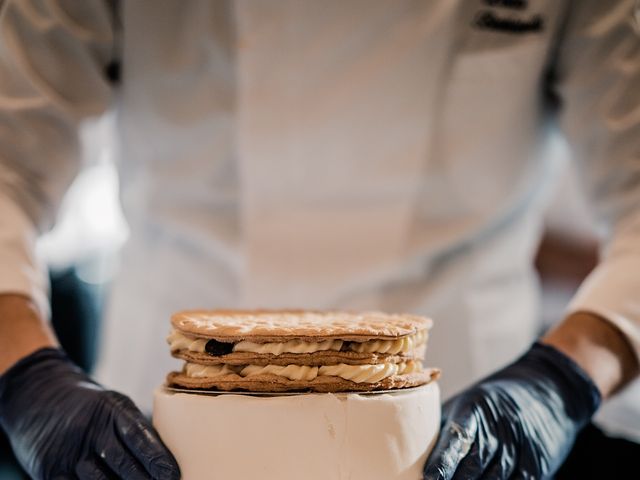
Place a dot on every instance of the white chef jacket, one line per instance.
(348, 154)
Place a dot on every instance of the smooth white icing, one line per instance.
(310, 436)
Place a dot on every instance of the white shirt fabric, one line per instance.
(336, 154)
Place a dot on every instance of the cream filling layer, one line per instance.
(292, 346)
(400, 345)
(179, 341)
(355, 373)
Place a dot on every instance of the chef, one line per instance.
(336, 154)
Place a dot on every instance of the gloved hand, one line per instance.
(520, 422)
(62, 424)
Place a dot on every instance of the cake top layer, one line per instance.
(274, 325)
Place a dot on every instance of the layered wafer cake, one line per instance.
(340, 394)
(280, 351)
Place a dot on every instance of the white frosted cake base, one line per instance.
(313, 436)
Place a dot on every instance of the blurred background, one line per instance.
(82, 250)
(82, 254)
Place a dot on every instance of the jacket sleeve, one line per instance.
(53, 55)
(598, 81)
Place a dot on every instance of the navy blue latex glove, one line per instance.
(62, 425)
(519, 423)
